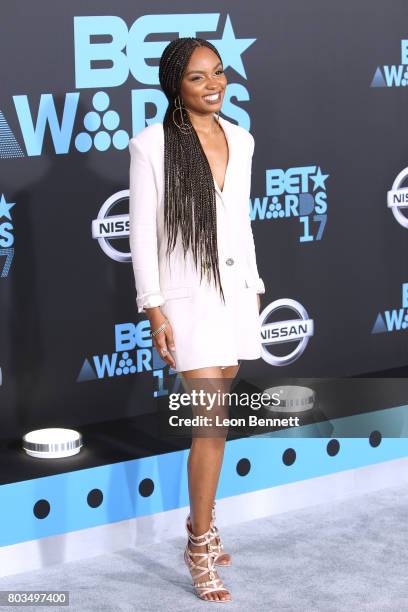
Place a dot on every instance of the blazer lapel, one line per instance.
(228, 135)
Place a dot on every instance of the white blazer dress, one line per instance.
(206, 331)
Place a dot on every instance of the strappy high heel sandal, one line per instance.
(223, 559)
(214, 584)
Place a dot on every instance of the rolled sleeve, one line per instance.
(143, 199)
(251, 251)
(149, 300)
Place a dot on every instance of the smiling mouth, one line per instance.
(213, 98)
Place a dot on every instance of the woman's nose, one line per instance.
(212, 84)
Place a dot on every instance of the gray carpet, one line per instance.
(350, 555)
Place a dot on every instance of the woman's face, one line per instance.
(204, 76)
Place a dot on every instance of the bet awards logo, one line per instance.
(6, 236)
(294, 193)
(279, 333)
(132, 353)
(393, 319)
(393, 75)
(86, 120)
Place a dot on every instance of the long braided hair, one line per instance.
(189, 192)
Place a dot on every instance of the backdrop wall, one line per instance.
(321, 86)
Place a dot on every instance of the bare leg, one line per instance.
(229, 372)
(205, 457)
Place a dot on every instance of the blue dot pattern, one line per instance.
(125, 365)
(103, 138)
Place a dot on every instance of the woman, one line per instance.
(195, 265)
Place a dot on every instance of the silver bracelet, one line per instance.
(159, 329)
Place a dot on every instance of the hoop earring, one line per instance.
(184, 127)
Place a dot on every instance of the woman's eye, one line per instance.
(220, 71)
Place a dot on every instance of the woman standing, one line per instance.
(194, 263)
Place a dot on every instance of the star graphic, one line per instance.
(5, 207)
(319, 179)
(231, 48)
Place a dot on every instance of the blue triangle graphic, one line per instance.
(379, 325)
(9, 146)
(86, 373)
(378, 80)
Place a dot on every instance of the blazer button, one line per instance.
(229, 261)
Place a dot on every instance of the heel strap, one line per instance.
(206, 537)
(199, 540)
(212, 521)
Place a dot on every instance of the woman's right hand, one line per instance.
(164, 339)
